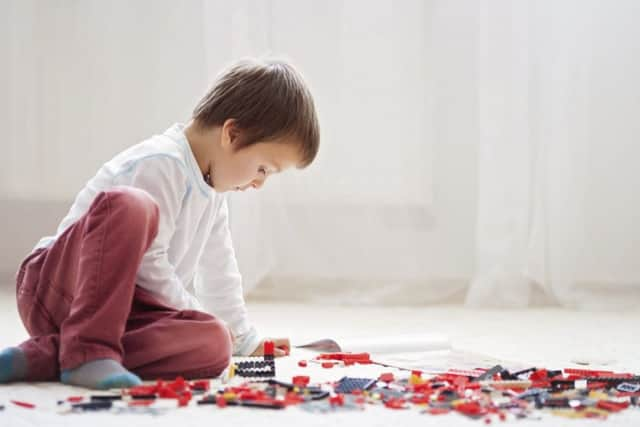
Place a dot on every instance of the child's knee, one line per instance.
(218, 346)
(136, 208)
(134, 201)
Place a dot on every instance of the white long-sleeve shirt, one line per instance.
(191, 263)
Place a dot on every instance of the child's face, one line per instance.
(237, 170)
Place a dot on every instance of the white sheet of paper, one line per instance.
(382, 344)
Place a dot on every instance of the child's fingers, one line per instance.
(284, 345)
(279, 352)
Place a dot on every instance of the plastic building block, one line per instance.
(92, 406)
(488, 375)
(348, 385)
(22, 404)
(327, 365)
(337, 400)
(612, 406)
(347, 358)
(300, 380)
(438, 411)
(387, 377)
(201, 385)
(94, 398)
(587, 372)
(184, 399)
(271, 404)
(628, 387)
(419, 398)
(471, 409)
(258, 368)
(302, 363)
(269, 348)
(416, 379)
(395, 403)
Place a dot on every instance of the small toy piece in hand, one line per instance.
(258, 368)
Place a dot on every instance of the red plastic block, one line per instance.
(202, 385)
(386, 377)
(184, 399)
(167, 393)
(300, 380)
(596, 385)
(347, 358)
(539, 375)
(612, 406)
(23, 404)
(292, 398)
(269, 348)
(143, 390)
(438, 411)
(221, 402)
(178, 385)
(471, 409)
(460, 381)
(337, 400)
(327, 365)
(422, 388)
(302, 363)
(395, 403)
(420, 398)
(587, 372)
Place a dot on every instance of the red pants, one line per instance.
(79, 302)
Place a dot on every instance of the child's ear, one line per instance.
(230, 133)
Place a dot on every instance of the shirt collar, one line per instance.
(176, 132)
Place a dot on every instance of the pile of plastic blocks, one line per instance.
(484, 394)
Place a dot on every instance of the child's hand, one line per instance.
(282, 347)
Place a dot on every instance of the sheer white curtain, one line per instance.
(476, 150)
(558, 153)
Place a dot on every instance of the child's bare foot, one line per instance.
(13, 365)
(100, 374)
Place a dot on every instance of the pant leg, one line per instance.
(42, 348)
(161, 342)
(82, 286)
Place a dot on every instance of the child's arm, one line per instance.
(165, 179)
(218, 285)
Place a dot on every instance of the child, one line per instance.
(141, 280)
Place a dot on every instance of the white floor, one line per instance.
(544, 337)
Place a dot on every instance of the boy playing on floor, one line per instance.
(141, 270)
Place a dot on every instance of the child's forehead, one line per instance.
(283, 151)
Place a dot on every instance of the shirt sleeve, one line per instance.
(164, 178)
(218, 284)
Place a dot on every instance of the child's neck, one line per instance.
(201, 142)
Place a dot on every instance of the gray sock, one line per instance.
(100, 374)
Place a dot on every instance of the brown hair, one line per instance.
(268, 99)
